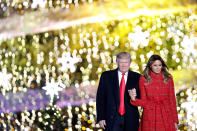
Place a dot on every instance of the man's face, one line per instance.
(123, 64)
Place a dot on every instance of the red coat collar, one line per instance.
(156, 76)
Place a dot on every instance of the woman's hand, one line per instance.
(176, 126)
(132, 94)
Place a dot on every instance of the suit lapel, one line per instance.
(128, 79)
(116, 87)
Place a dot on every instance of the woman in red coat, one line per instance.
(157, 97)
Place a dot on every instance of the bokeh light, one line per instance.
(49, 77)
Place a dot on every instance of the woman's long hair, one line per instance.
(164, 70)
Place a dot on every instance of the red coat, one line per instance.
(159, 104)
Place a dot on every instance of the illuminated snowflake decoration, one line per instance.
(188, 44)
(39, 3)
(52, 88)
(68, 62)
(5, 79)
(139, 38)
(190, 106)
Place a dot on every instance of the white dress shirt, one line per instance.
(120, 77)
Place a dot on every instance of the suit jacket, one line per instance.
(108, 99)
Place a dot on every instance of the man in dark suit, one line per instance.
(114, 111)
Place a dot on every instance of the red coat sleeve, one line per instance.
(143, 101)
(172, 101)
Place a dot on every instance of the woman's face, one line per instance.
(156, 66)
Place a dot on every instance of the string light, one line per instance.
(21, 6)
(75, 58)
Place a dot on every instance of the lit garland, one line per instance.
(21, 6)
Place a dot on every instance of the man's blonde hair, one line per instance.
(123, 55)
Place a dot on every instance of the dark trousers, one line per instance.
(119, 123)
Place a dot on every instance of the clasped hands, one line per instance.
(132, 94)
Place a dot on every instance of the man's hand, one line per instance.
(102, 124)
(132, 94)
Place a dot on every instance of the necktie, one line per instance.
(122, 90)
